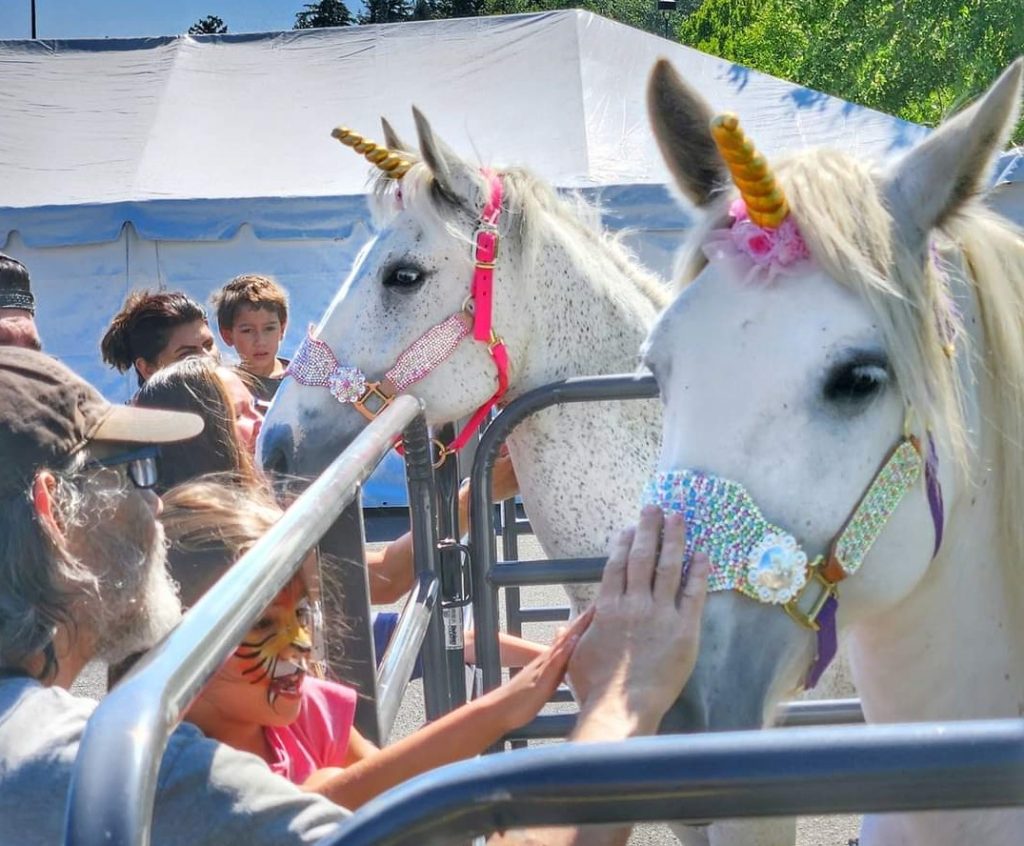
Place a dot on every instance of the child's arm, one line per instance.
(391, 569)
(461, 734)
(515, 651)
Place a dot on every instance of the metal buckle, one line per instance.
(809, 618)
(372, 392)
(495, 341)
(442, 454)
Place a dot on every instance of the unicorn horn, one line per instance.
(391, 163)
(766, 204)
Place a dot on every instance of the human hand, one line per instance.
(529, 690)
(641, 648)
(504, 484)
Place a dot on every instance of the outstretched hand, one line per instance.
(530, 689)
(642, 644)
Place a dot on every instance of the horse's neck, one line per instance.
(579, 326)
(951, 650)
(581, 467)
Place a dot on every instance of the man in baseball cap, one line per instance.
(17, 306)
(83, 577)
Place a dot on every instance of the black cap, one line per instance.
(48, 413)
(15, 285)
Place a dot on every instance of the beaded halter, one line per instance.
(315, 364)
(748, 553)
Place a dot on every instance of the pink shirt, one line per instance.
(319, 736)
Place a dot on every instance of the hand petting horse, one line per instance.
(843, 380)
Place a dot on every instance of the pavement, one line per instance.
(811, 831)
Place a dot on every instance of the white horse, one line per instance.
(567, 301)
(788, 379)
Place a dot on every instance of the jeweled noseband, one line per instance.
(748, 553)
(316, 365)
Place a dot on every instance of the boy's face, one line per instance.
(256, 336)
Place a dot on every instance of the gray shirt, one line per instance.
(207, 793)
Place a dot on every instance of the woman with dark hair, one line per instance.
(154, 330)
(218, 395)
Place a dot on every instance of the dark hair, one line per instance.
(143, 327)
(193, 385)
(253, 291)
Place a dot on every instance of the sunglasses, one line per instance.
(141, 465)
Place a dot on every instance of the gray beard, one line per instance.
(135, 617)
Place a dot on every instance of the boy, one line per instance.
(252, 314)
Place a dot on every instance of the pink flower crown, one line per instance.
(769, 250)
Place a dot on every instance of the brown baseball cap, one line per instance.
(48, 413)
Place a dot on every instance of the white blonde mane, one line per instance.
(852, 236)
(538, 217)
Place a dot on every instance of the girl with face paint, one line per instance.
(267, 698)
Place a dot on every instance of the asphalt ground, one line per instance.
(811, 831)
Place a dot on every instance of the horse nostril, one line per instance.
(275, 449)
(275, 462)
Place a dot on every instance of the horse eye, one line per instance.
(404, 278)
(855, 382)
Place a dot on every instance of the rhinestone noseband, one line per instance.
(751, 555)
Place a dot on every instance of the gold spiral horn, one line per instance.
(766, 204)
(391, 163)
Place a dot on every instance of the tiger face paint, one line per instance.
(277, 652)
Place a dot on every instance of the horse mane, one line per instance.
(851, 234)
(537, 216)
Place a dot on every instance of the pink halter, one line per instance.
(316, 365)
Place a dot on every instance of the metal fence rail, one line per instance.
(697, 778)
(483, 544)
(399, 660)
(113, 784)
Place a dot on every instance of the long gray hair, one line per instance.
(42, 582)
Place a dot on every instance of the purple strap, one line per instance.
(931, 483)
(827, 642)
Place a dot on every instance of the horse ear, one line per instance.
(681, 120)
(954, 163)
(392, 140)
(453, 176)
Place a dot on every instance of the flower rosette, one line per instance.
(776, 569)
(346, 384)
(765, 251)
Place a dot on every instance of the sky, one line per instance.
(103, 18)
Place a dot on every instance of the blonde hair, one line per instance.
(209, 524)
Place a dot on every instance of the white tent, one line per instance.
(180, 162)
(1007, 192)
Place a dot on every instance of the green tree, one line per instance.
(210, 25)
(324, 13)
(918, 59)
(386, 11)
(642, 14)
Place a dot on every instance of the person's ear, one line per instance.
(284, 325)
(227, 335)
(146, 370)
(43, 488)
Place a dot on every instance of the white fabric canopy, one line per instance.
(166, 121)
(180, 162)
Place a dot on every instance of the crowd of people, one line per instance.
(115, 518)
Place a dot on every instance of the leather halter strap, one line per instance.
(316, 365)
